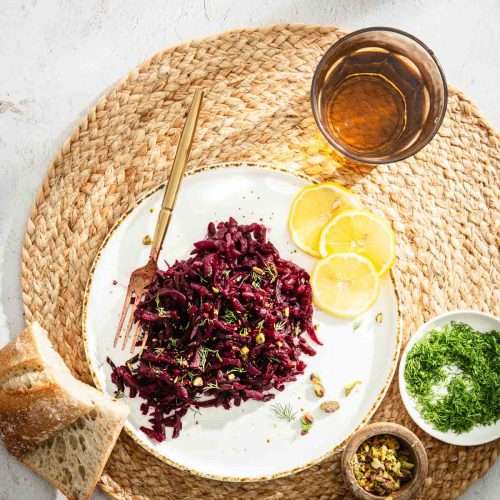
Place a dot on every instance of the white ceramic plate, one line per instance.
(245, 443)
(478, 435)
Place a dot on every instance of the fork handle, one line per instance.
(176, 174)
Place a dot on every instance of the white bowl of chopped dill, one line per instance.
(449, 377)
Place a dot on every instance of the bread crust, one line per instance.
(19, 356)
(30, 413)
(40, 400)
(27, 420)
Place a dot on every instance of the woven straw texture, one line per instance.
(444, 205)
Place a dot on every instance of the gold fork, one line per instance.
(144, 275)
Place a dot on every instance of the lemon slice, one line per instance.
(312, 208)
(361, 232)
(345, 284)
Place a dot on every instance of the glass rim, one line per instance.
(341, 149)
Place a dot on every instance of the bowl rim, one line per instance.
(405, 396)
(410, 439)
(315, 110)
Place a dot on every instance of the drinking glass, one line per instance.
(378, 95)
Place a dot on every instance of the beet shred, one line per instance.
(224, 326)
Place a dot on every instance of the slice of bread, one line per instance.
(38, 394)
(74, 458)
(62, 428)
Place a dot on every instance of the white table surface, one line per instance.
(58, 57)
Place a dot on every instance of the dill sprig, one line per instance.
(229, 316)
(284, 411)
(454, 376)
(238, 369)
(203, 352)
(211, 386)
(257, 277)
(196, 412)
(258, 274)
(271, 271)
(172, 342)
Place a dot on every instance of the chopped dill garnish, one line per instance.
(196, 412)
(171, 342)
(238, 369)
(229, 316)
(203, 353)
(454, 375)
(284, 411)
(211, 386)
(256, 279)
(356, 324)
(202, 279)
(258, 275)
(271, 271)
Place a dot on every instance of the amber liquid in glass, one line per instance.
(375, 100)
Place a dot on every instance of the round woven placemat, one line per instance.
(444, 204)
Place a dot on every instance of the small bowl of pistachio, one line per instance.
(384, 460)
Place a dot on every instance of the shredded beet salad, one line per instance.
(224, 326)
